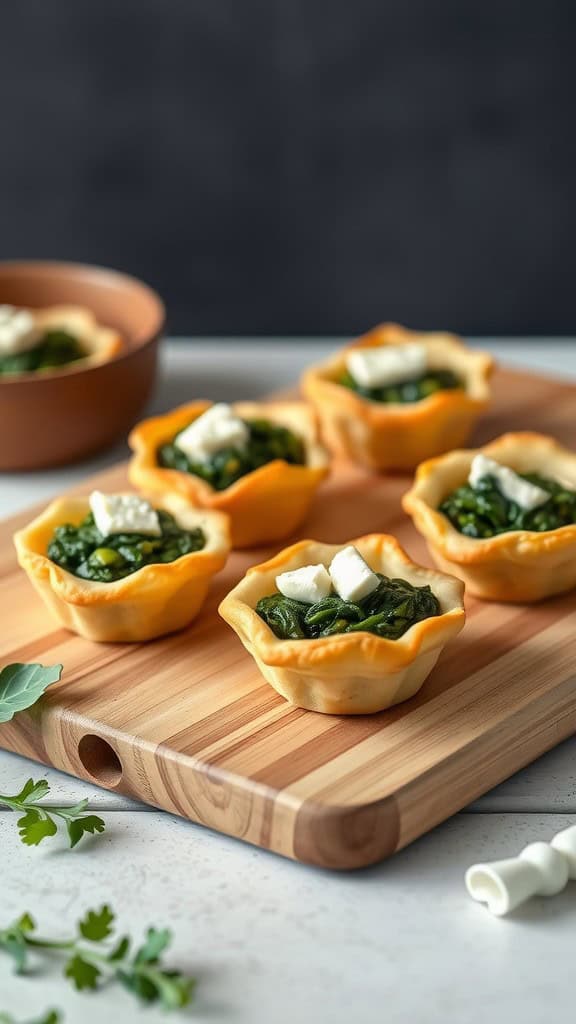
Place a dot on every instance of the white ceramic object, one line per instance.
(542, 869)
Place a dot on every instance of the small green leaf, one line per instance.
(120, 950)
(13, 943)
(171, 989)
(83, 973)
(96, 925)
(73, 811)
(76, 829)
(29, 793)
(26, 923)
(139, 985)
(22, 685)
(13, 940)
(37, 791)
(157, 940)
(34, 827)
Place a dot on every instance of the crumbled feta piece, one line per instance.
(353, 579)
(124, 513)
(217, 428)
(528, 496)
(309, 584)
(18, 331)
(388, 364)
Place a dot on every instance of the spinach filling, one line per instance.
(408, 390)
(388, 612)
(482, 511)
(267, 441)
(85, 552)
(56, 348)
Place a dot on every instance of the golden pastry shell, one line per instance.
(265, 505)
(520, 565)
(385, 435)
(349, 673)
(154, 600)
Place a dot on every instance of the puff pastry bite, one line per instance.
(55, 338)
(508, 542)
(436, 390)
(147, 602)
(264, 503)
(354, 672)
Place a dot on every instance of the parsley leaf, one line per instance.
(14, 941)
(168, 988)
(22, 685)
(156, 943)
(76, 829)
(87, 967)
(35, 826)
(26, 923)
(37, 823)
(82, 972)
(15, 946)
(120, 950)
(96, 925)
(32, 791)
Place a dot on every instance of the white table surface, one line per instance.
(269, 940)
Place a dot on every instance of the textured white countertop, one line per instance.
(271, 941)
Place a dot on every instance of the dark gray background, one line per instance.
(300, 166)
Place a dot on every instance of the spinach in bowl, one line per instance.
(482, 511)
(87, 553)
(388, 611)
(267, 441)
(407, 391)
(55, 348)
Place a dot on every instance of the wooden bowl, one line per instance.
(53, 418)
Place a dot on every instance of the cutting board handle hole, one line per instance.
(100, 760)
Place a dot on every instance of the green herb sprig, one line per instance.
(92, 961)
(406, 391)
(48, 1017)
(483, 511)
(267, 441)
(388, 612)
(38, 822)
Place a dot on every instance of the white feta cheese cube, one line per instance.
(353, 579)
(528, 496)
(124, 513)
(309, 584)
(215, 429)
(388, 364)
(18, 331)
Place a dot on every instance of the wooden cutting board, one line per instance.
(188, 724)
